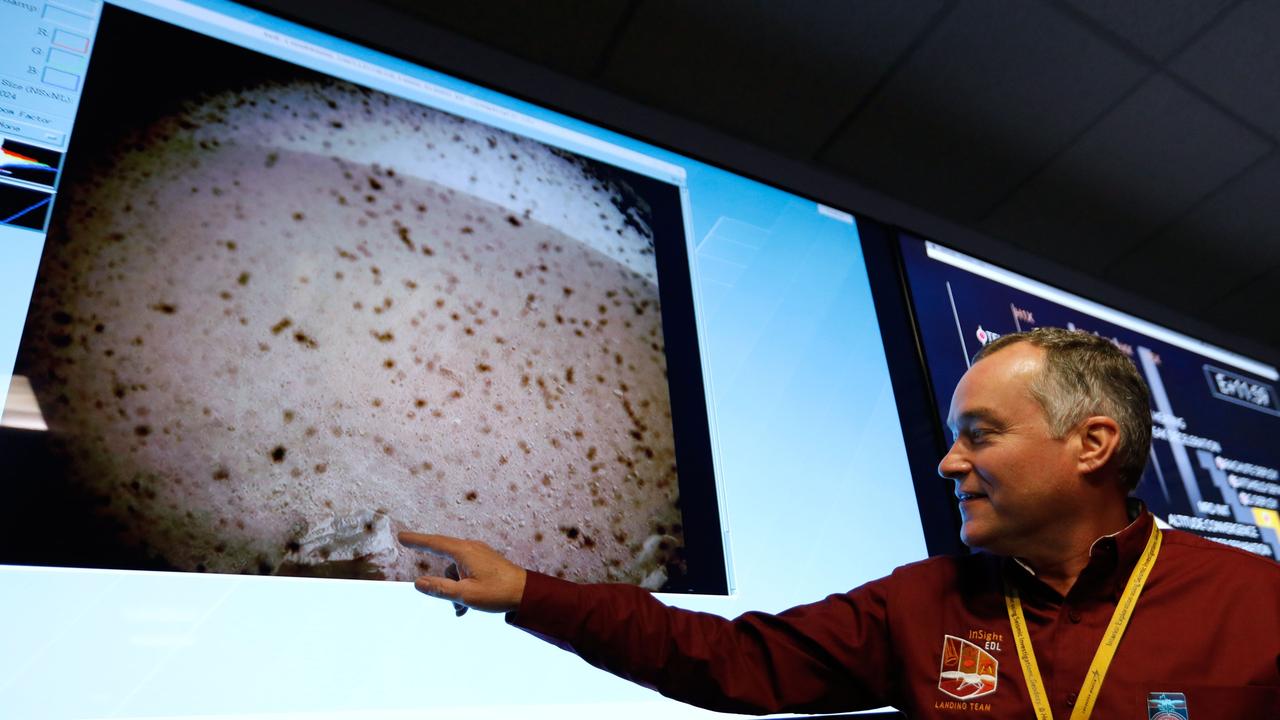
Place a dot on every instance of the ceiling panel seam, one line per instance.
(1262, 133)
(1210, 24)
(1106, 34)
(1194, 89)
(615, 36)
(1155, 66)
(899, 62)
(1191, 208)
(1243, 286)
(1063, 148)
(1137, 54)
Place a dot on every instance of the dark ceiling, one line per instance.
(1132, 141)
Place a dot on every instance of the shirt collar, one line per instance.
(1113, 557)
(1125, 546)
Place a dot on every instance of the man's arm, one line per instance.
(827, 656)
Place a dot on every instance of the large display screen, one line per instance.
(269, 297)
(282, 316)
(1215, 415)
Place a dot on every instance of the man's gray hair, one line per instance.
(1086, 375)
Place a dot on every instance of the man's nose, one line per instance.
(953, 466)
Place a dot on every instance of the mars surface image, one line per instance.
(288, 321)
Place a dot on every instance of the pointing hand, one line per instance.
(485, 579)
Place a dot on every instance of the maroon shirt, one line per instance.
(933, 638)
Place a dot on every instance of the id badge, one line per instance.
(1167, 706)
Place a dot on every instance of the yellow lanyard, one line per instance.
(1106, 649)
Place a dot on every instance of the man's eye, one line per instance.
(977, 434)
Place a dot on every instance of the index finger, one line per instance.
(437, 544)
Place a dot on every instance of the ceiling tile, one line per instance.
(1250, 311)
(1156, 27)
(570, 36)
(1148, 161)
(782, 75)
(1237, 63)
(1216, 249)
(996, 90)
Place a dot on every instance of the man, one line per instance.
(1075, 606)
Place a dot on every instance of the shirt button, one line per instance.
(1073, 616)
(1071, 699)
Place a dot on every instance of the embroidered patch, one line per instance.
(967, 670)
(1167, 706)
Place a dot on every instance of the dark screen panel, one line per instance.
(1213, 464)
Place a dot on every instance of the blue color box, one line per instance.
(67, 62)
(57, 78)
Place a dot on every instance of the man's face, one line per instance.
(1015, 481)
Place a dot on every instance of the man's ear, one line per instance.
(1099, 438)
